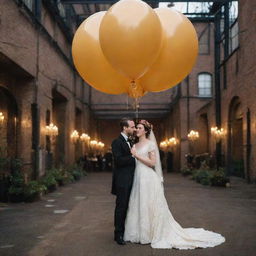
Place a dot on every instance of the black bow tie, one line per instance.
(129, 139)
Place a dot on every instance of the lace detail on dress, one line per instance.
(151, 147)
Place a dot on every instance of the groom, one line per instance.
(122, 175)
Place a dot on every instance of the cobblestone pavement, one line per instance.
(78, 219)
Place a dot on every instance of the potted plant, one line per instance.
(68, 177)
(219, 178)
(202, 176)
(49, 182)
(16, 189)
(58, 175)
(33, 191)
(77, 172)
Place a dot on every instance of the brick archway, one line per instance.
(235, 139)
(8, 129)
(59, 116)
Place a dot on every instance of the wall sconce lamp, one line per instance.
(1, 118)
(51, 130)
(100, 145)
(172, 142)
(84, 137)
(164, 145)
(218, 134)
(74, 136)
(93, 144)
(193, 135)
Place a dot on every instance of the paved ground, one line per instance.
(86, 227)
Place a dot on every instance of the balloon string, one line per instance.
(136, 109)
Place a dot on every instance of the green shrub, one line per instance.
(49, 182)
(186, 171)
(194, 174)
(76, 171)
(58, 174)
(17, 179)
(17, 185)
(33, 190)
(77, 174)
(210, 177)
(13, 190)
(219, 178)
(68, 178)
(203, 177)
(16, 164)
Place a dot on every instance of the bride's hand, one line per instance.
(133, 151)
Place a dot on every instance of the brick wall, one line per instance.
(241, 76)
(38, 67)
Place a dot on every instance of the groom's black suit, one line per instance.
(122, 181)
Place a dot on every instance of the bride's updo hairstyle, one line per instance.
(147, 126)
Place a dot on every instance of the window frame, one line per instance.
(198, 84)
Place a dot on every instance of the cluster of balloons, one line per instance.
(133, 49)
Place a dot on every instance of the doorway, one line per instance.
(235, 139)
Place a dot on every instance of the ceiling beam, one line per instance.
(148, 1)
(140, 116)
(130, 114)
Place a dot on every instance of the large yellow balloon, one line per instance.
(131, 37)
(90, 61)
(178, 53)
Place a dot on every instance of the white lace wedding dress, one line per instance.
(149, 220)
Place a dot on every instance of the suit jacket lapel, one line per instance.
(124, 142)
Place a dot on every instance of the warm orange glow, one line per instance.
(172, 141)
(51, 130)
(84, 137)
(1, 117)
(74, 136)
(193, 135)
(218, 134)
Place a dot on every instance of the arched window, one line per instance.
(205, 85)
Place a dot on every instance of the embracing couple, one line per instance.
(142, 214)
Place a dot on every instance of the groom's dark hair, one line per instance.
(124, 122)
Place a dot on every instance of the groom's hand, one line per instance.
(133, 151)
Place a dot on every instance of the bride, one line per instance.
(149, 219)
